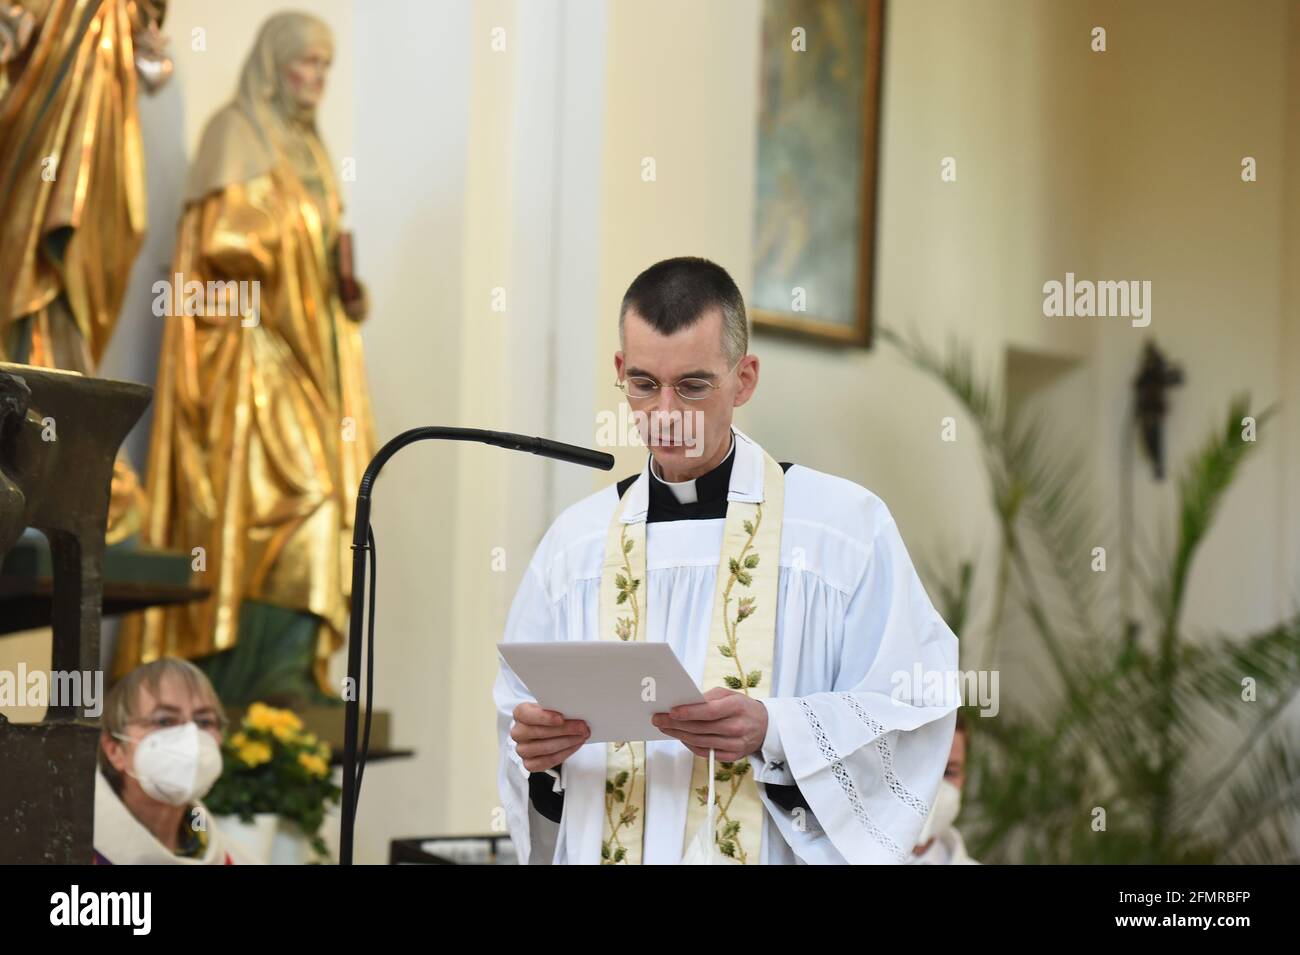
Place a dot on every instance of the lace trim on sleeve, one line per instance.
(909, 798)
(845, 779)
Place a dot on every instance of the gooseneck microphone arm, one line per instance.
(363, 545)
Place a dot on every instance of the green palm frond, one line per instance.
(1252, 683)
(1123, 731)
(1201, 487)
(955, 368)
(1256, 820)
(1204, 482)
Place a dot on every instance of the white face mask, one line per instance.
(176, 765)
(947, 803)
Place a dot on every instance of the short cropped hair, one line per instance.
(676, 293)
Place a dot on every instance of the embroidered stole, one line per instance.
(741, 639)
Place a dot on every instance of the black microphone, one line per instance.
(363, 548)
(553, 449)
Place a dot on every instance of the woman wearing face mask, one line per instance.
(939, 842)
(160, 753)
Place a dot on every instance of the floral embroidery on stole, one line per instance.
(742, 635)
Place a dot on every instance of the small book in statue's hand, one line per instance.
(349, 289)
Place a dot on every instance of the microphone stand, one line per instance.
(363, 545)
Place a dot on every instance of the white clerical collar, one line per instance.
(686, 491)
(746, 479)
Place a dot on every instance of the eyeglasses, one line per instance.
(209, 724)
(640, 387)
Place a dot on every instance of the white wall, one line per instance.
(1116, 165)
(530, 266)
(411, 120)
(1189, 89)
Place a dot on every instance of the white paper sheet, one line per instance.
(615, 687)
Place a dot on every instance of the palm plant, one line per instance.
(1147, 745)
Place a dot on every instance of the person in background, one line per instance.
(940, 843)
(160, 754)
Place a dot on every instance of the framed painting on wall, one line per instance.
(815, 203)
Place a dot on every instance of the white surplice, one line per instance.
(946, 848)
(848, 725)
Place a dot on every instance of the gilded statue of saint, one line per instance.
(72, 198)
(262, 425)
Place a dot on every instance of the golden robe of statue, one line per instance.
(72, 201)
(262, 424)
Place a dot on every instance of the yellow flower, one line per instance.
(282, 723)
(255, 753)
(285, 734)
(238, 740)
(259, 717)
(313, 764)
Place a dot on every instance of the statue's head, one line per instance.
(303, 75)
(288, 64)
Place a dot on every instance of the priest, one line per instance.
(786, 593)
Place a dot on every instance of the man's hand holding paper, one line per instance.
(544, 738)
(731, 724)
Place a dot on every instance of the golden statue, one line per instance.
(72, 200)
(262, 424)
